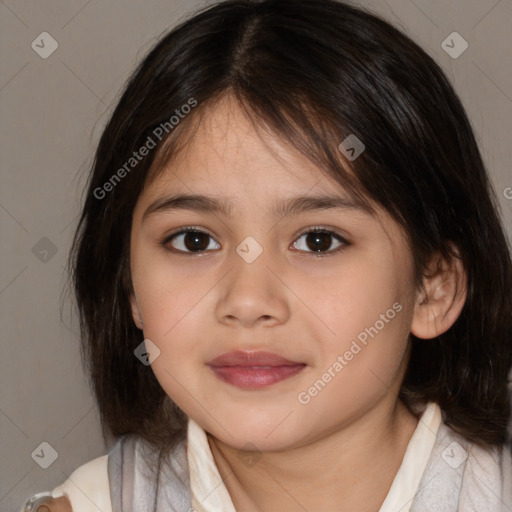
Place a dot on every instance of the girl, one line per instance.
(293, 284)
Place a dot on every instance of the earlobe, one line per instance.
(136, 313)
(442, 298)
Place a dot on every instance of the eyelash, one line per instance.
(315, 229)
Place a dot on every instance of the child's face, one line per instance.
(307, 309)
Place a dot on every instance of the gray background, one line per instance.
(53, 111)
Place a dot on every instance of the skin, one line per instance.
(346, 444)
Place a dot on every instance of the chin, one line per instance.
(266, 435)
(256, 441)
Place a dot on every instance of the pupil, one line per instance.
(192, 241)
(318, 246)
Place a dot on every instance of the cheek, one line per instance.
(357, 373)
(355, 295)
(175, 326)
(167, 296)
(174, 320)
(367, 309)
(177, 313)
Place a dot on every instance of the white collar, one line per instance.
(207, 490)
(407, 480)
(209, 494)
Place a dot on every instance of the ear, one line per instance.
(440, 302)
(136, 314)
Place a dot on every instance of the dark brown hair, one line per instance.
(312, 72)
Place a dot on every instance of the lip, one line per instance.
(253, 370)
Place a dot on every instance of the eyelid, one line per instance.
(312, 229)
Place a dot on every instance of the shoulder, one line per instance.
(489, 464)
(489, 472)
(470, 476)
(86, 489)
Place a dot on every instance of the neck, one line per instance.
(354, 465)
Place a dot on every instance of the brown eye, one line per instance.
(190, 241)
(320, 241)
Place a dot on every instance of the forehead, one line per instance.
(225, 149)
(228, 163)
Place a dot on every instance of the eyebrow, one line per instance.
(292, 206)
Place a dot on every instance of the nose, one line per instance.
(252, 294)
